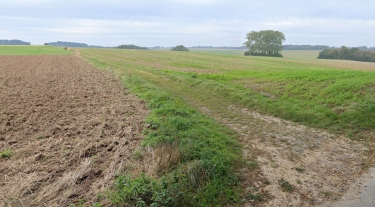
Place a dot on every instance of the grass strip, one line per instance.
(202, 174)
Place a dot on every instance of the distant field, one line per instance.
(219, 51)
(292, 54)
(32, 50)
(297, 88)
(301, 56)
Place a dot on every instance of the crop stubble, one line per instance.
(71, 128)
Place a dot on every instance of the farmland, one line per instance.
(246, 94)
(66, 129)
(328, 97)
(32, 50)
(219, 128)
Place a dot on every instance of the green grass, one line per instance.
(301, 89)
(208, 153)
(286, 186)
(33, 50)
(6, 154)
(323, 96)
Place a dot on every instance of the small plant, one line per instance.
(81, 203)
(137, 154)
(326, 193)
(41, 136)
(6, 154)
(256, 197)
(286, 186)
(252, 165)
(299, 182)
(299, 169)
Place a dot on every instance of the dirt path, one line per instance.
(69, 127)
(301, 166)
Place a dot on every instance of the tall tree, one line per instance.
(265, 42)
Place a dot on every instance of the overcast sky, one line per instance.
(187, 22)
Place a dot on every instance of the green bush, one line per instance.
(345, 53)
(248, 53)
(179, 48)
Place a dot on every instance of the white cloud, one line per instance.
(194, 22)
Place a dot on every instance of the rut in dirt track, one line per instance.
(70, 127)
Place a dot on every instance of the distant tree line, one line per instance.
(305, 47)
(179, 48)
(66, 44)
(133, 47)
(70, 44)
(14, 42)
(345, 53)
(264, 43)
(365, 48)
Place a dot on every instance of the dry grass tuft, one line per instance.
(162, 158)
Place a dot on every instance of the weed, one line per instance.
(6, 154)
(137, 154)
(99, 197)
(81, 203)
(327, 193)
(299, 182)
(41, 136)
(256, 197)
(252, 165)
(286, 186)
(299, 169)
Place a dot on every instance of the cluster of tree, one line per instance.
(264, 43)
(132, 47)
(345, 53)
(13, 42)
(156, 48)
(248, 53)
(365, 48)
(71, 44)
(179, 48)
(66, 44)
(305, 47)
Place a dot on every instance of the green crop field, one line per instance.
(336, 96)
(33, 50)
(318, 95)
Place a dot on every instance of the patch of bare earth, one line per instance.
(70, 127)
(299, 166)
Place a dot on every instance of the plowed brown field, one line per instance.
(69, 126)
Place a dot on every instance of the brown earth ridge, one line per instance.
(70, 127)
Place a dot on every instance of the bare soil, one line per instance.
(71, 129)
